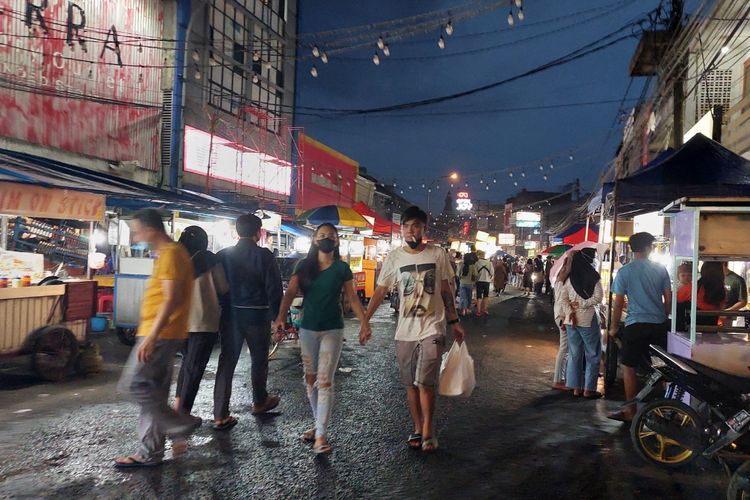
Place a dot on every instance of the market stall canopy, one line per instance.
(380, 225)
(332, 214)
(576, 233)
(296, 229)
(33, 170)
(701, 167)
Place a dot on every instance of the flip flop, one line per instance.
(308, 436)
(620, 416)
(226, 425)
(593, 395)
(561, 387)
(323, 449)
(414, 441)
(430, 445)
(134, 463)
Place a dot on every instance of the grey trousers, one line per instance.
(148, 385)
(258, 339)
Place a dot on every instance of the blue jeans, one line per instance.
(465, 295)
(583, 341)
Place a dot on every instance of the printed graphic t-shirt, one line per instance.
(419, 277)
(173, 264)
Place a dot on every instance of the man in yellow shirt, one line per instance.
(163, 329)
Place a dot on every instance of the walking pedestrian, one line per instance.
(527, 281)
(647, 286)
(548, 263)
(205, 315)
(485, 276)
(501, 276)
(422, 272)
(558, 377)
(538, 279)
(467, 278)
(322, 276)
(162, 330)
(580, 295)
(255, 292)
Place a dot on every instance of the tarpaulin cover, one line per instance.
(701, 167)
(381, 225)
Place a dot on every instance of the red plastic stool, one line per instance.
(106, 303)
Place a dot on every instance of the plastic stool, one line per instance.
(106, 304)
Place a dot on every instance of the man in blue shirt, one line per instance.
(648, 289)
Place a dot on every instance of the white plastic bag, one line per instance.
(457, 372)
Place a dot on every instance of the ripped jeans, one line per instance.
(320, 358)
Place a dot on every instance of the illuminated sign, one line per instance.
(530, 245)
(528, 219)
(235, 163)
(463, 202)
(482, 236)
(508, 239)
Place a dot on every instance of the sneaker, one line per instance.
(269, 404)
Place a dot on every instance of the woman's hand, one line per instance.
(277, 330)
(365, 332)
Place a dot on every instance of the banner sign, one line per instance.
(46, 203)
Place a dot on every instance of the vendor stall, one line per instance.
(710, 229)
(43, 315)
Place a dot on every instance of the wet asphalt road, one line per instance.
(514, 438)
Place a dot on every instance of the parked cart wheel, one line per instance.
(54, 353)
(126, 335)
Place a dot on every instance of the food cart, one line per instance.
(47, 318)
(706, 229)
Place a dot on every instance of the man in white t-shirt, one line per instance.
(423, 273)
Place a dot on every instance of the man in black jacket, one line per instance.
(255, 293)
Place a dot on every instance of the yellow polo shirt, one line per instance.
(173, 264)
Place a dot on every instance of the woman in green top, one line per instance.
(321, 277)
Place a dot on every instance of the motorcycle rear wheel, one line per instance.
(739, 485)
(659, 449)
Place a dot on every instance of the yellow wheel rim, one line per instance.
(660, 448)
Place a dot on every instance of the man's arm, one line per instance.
(743, 297)
(614, 324)
(274, 288)
(173, 297)
(667, 301)
(451, 315)
(376, 300)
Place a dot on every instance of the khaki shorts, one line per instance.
(419, 362)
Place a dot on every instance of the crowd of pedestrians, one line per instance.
(194, 298)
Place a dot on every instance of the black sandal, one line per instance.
(414, 441)
(226, 424)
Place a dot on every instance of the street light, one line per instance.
(453, 176)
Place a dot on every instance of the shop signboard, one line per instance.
(506, 239)
(463, 202)
(528, 219)
(530, 245)
(328, 176)
(235, 163)
(47, 203)
(482, 236)
(78, 79)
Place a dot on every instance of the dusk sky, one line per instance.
(485, 135)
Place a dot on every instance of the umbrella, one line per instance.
(556, 250)
(557, 266)
(332, 214)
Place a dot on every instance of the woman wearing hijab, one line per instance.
(558, 377)
(205, 313)
(579, 295)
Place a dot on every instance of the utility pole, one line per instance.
(678, 89)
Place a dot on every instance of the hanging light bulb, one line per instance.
(515, 183)
(570, 157)
(441, 42)
(725, 49)
(510, 174)
(487, 188)
(519, 3)
(196, 56)
(541, 167)
(521, 14)
(449, 28)
(551, 166)
(140, 48)
(256, 54)
(315, 51)
(267, 65)
(386, 51)
(256, 79)
(376, 59)
(197, 74)
(523, 174)
(381, 43)
(511, 21)
(494, 181)
(324, 58)
(545, 177)
(314, 71)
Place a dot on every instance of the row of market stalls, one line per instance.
(696, 201)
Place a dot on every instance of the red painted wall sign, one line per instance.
(83, 76)
(329, 177)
